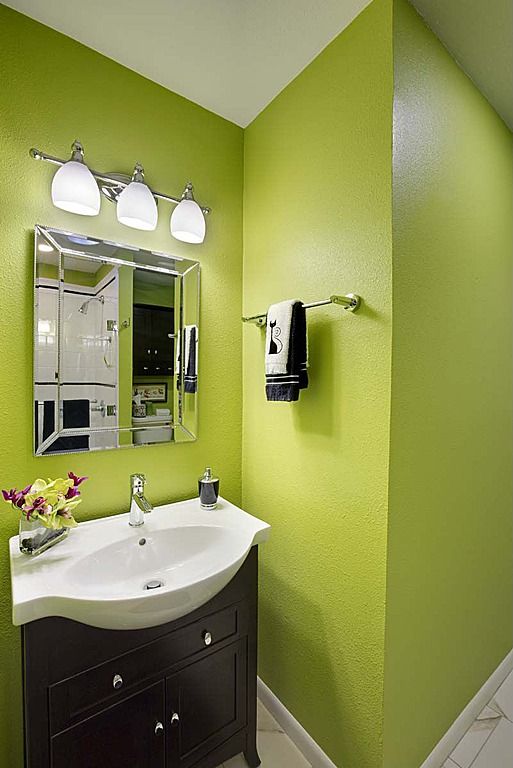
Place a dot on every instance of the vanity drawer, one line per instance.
(73, 699)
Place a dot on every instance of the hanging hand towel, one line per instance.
(286, 330)
(279, 319)
(191, 358)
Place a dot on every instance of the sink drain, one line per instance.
(154, 584)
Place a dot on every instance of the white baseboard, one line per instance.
(463, 722)
(319, 759)
(294, 730)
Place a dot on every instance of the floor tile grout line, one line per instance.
(502, 713)
(488, 720)
(484, 743)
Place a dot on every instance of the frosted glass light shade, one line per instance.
(74, 189)
(188, 222)
(137, 207)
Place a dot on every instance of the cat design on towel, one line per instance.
(275, 345)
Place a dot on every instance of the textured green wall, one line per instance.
(54, 90)
(317, 221)
(449, 596)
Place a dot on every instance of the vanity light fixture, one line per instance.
(45, 248)
(76, 188)
(136, 206)
(77, 240)
(187, 220)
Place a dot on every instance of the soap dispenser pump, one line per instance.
(208, 487)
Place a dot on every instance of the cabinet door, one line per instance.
(122, 736)
(206, 704)
(162, 329)
(142, 342)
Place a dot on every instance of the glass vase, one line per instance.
(34, 538)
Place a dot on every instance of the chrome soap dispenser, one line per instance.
(208, 488)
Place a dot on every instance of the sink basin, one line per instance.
(109, 575)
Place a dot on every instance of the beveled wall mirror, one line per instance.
(116, 332)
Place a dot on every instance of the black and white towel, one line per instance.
(286, 351)
(191, 358)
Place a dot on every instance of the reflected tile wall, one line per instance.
(89, 352)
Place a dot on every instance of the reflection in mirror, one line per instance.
(116, 345)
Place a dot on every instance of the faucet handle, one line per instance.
(137, 482)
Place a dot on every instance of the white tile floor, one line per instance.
(489, 741)
(274, 747)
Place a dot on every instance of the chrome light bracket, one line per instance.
(77, 152)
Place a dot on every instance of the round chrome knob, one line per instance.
(175, 719)
(158, 727)
(207, 638)
(117, 682)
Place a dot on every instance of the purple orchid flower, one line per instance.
(73, 491)
(38, 505)
(76, 480)
(17, 498)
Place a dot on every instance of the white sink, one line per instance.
(99, 574)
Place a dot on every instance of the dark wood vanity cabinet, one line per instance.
(182, 695)
(153, 345)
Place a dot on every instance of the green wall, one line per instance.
(449, 596)
(54, 90)
(317, 221)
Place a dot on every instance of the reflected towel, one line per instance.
(191, 358)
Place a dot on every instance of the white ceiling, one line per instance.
(234, 56)
(231, 56)
(479, 34)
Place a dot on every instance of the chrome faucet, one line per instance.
(139, 504)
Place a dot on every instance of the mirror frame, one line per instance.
(190, 267)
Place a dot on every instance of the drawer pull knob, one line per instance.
(117, 682)
(158, 727)
(175, 720)
(207, 638)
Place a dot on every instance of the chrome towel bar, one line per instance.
(351, 303)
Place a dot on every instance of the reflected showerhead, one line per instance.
(85, 306)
